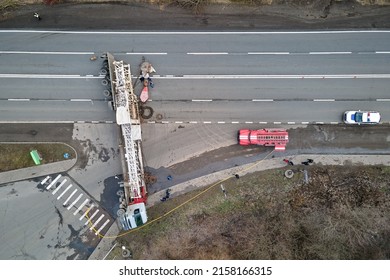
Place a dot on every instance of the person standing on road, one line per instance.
(36, 15)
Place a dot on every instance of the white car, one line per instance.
(361, 117)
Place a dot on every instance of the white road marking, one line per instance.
(202, 100)
(64, 191)
(44, 76)
(330, 52)
(206, 122)
(100, 229)
(323, 100)
(248, 122)
(53, 182)
(74, 202)
(72, 194)
(290, 122)
(165, 122)
(87, 212)
(81, 100)
(80, 207)
(262, 100)
(18, 99)
(45, 180)
(193, 122)
(304, 122)
(27, 52)
(277, 122)
(151, 121)
(382, 52)
(334, 122)
(268, 53)
(221, 122)
(96, 222)
(89, 219)
(235, 122)
(263, 122)
(59, 187)
(146, 53)
(319, 122)
(178, 122)
(209, 53)
(190, 33)
(383, 99)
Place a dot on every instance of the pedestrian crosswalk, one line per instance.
(72, 198)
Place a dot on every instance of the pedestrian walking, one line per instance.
(37, 16)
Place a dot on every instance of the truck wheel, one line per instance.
(146, 112)
(103, 71)
(104, 82)
(107, 93)
(120, 212)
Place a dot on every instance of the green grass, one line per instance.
(16, 156)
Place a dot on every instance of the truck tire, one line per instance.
(120, 212)
(107, 93)
(104, 82)
(103, 71)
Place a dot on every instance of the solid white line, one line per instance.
(211, 53)
(18, 99)
(64, 191)
(383, 99)
(303, 76)
(81, 100)
(194, 32)
(97, 221)
(100, 229)
(330, 52)
(323, 100)
(59, 187)
(74, 202)
(26, 52)
(89, 219)
(43, 76)
(270, 53)
(81, 206)
(45, 180)
(87, 211)
(202, 100)
(72, 194)
(53, 182)
(262, 100)
(145, 53)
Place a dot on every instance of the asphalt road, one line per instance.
(308, 76)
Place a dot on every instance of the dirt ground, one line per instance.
(143, 16)
(341, 213)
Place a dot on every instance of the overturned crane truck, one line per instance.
(133, 213)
